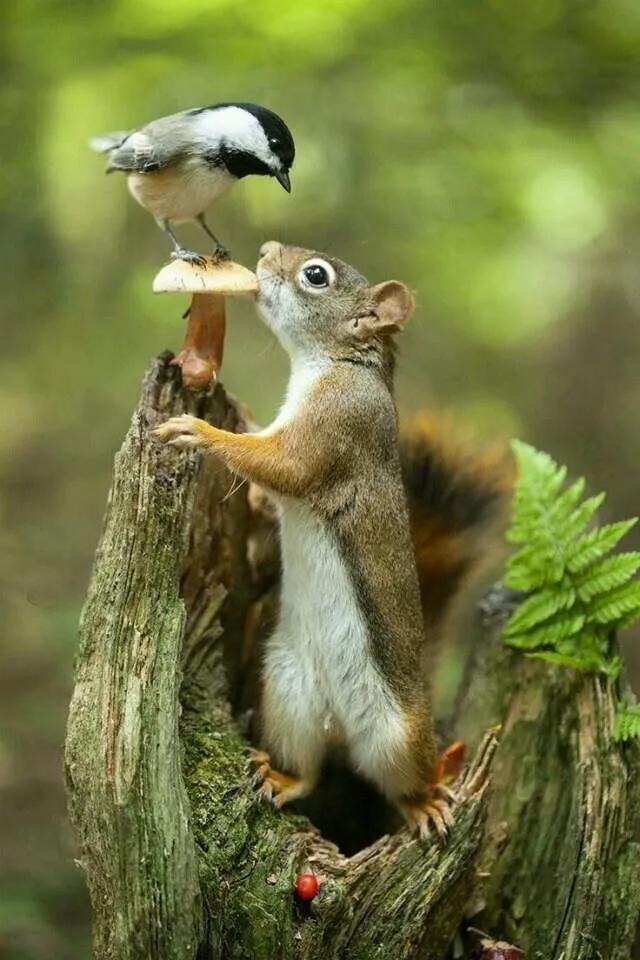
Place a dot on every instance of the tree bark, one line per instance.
(181, 858)
(561, 837)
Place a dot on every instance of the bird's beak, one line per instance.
(283, 179)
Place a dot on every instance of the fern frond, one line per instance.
(537, 563)
(539, 607)
(579, 595)
(596, 544)
(627, 726)
(552, 633)
(567, 501)
(609, 573)
(564, 660)
(524, 579)
(579, 520)
(610, 608)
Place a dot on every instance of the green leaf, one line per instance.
(607, 574)
(543, 567)
(627, 726)
(566, 502)
(579, 520)
(596, 544)
(538, 608)
(540, 478)
(586, 664)
(549, 634)
(577, 594)
(521, 578)
(612, 667)
(610, 608)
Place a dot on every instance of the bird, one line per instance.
(178, 165)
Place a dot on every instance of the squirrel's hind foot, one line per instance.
(429, 813)
(278, 788)
(434, 808)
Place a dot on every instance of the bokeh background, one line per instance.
(485, 152)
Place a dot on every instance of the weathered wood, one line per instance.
(560, 853)
(127, 799)
(180, 856)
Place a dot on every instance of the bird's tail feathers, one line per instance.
(107, 142)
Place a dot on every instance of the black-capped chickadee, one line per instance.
(178, 165)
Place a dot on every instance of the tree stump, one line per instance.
(181, 857)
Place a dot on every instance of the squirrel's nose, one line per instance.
(270, 248)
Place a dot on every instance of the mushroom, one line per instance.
(209, 283)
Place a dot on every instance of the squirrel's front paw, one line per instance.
(184, 431)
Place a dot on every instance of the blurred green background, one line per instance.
(486, 152)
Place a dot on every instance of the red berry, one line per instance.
(306, 886)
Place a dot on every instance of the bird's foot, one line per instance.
(220, 253)
(189, 256)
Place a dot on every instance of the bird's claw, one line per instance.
(220, 253)
(189, 256)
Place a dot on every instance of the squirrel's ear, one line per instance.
(391, 306)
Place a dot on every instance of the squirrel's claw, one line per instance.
(185, 441)
(276, 787)
(422, 815)
(182, 431)
(443, 808)
(434, 808)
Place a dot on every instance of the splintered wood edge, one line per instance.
(224, 277)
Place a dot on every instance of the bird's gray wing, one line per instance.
(152, 147)
(138, 153)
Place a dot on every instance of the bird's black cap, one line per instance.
(278, 133)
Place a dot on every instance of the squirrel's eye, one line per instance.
(317, 276)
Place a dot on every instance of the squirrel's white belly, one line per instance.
(319, 658)
(179, 193)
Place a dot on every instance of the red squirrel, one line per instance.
(346, 662)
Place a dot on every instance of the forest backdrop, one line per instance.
(486, 153)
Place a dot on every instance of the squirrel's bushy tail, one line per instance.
(459, 498)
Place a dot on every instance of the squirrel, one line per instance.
(366, 568)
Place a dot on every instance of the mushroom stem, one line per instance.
(201, 355)
(209, 283)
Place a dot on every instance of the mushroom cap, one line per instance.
(224, 277)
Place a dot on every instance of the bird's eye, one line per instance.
(317, 275)
(274, 142)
